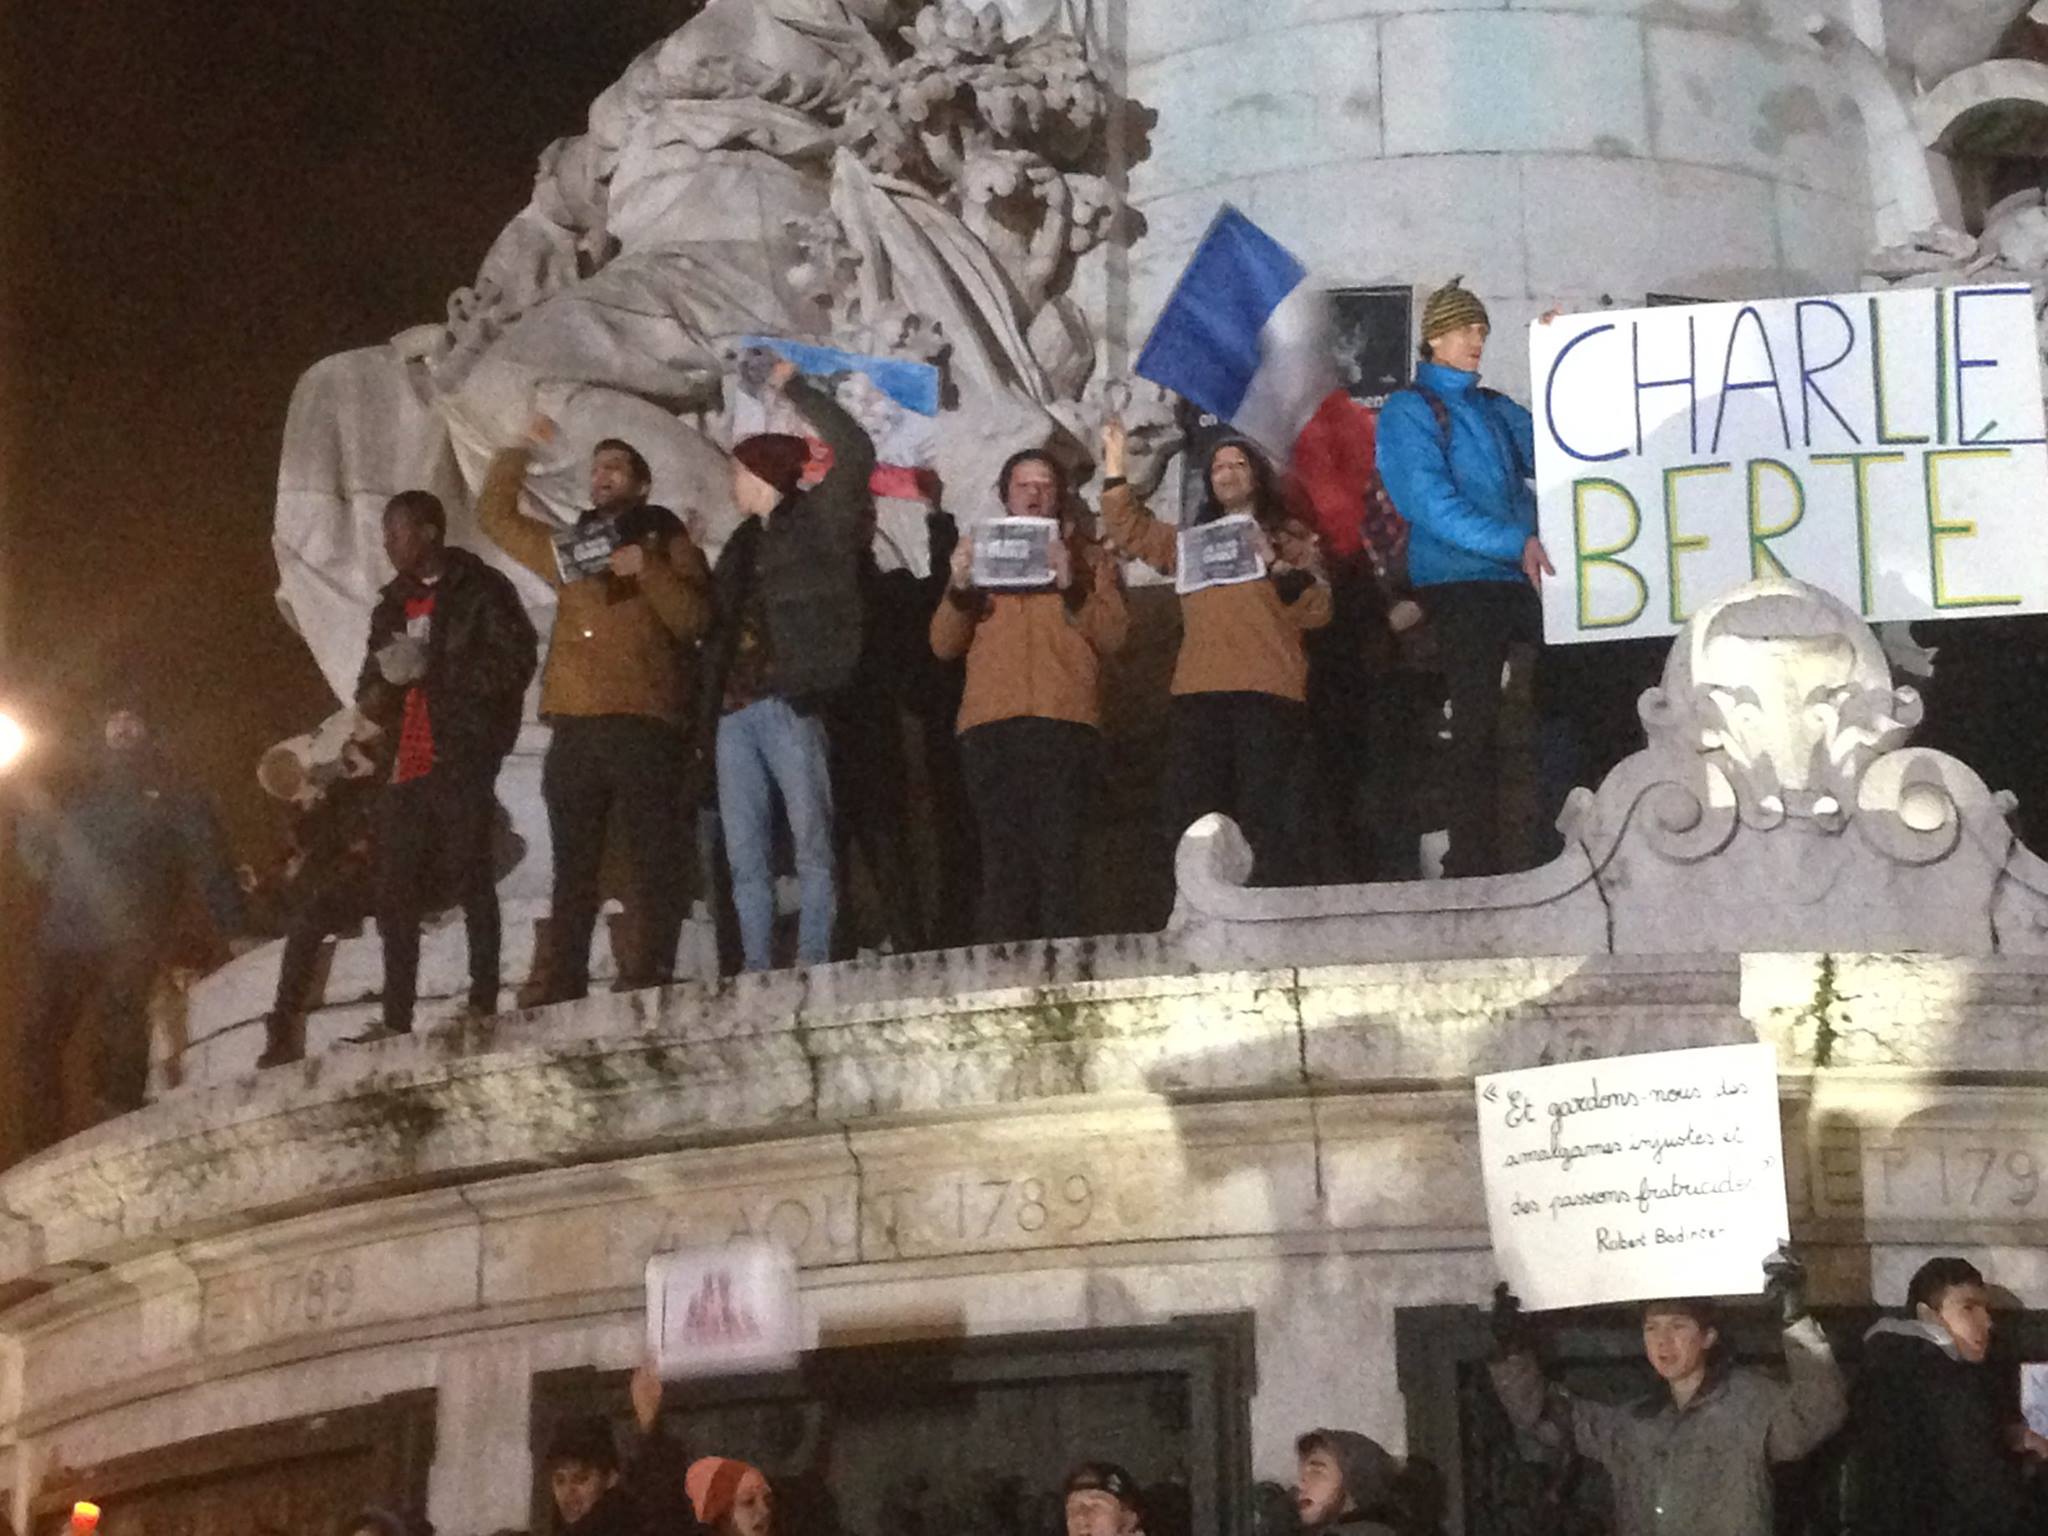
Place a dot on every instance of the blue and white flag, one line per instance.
(1245, 335)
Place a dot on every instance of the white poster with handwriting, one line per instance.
(1635, 1177)
(720, 1311)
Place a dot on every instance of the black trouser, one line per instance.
(114, 984)
(1477, 624)
(597, 764)
(871, 807)
(318, 912)
(1029, 781)
(434, 845)
(1240, 753)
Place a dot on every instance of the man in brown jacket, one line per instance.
(1029, 719)
(614, 690)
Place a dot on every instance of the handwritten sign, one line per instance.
(1886, 447)
(585, 552)
(721, 1311)
(1014, 552)
(1219, 554)
(1634, 1177)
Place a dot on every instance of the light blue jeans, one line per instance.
(767, 750)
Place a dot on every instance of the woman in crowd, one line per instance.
(1239, 687)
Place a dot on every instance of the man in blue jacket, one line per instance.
(1457, 459)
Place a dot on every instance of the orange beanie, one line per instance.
(714, 1484)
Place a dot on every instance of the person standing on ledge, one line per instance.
(614, 691)
(1938, 1448)
(1240, 682)
(787, 640)
(1693, 1458)
(115, 865)
(1030, 719)
(1457, 459)
(451, 651)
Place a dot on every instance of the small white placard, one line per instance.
(723, 1311)
(1221, 553)
(1014, 552)
(1634, 1177)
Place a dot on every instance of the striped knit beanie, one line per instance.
(1452, 307)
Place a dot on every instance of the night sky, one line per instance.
(195, 210)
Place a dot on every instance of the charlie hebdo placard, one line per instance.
(1634, 1177)
(1219, 553)
(1013, 552)
(723, 1311)
(1887, 447)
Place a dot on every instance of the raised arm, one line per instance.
(1134, 530)
(1101, 616)
(1814, 1402)
(853, 451)
(526, 539)
(962, 609)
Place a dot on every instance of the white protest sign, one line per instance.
(1634, 1177)
(1887, 447)
(1014, 552)
(1219, 553)
(726, 1310)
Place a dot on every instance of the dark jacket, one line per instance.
(805, 560)
(1928, 1455)
(1701, 1470)
(481, 652)
(648, 1500)
(116, 862)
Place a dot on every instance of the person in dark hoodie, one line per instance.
(596, 1492)
(786, 641)
(116, 863)
(450, 653)
(1346, 1482)
(1937, 1449)
(1694, 1457)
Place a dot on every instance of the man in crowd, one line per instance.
(1694, 1458)
(614, 691)
(329, 880)
(450, 654)
(788, 639)
(1345, 1482)
(1937, 1450)
(1030, 720)
(115, 865)
(596, 1493)
(1456, 458)
(1102, 1499)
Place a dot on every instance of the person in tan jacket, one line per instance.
(1240, 684)
(614, 690)
(1030, 715)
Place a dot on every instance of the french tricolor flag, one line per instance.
(1246, 337)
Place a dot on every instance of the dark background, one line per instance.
(197, 201)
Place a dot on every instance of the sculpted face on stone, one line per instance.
(1789, 692)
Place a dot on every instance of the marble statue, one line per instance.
(886, 175)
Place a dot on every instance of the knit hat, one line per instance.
(776, 457)
(714, 1484)
(1105, 1477)
(1451, 308)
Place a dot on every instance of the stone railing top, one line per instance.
(1776, 805)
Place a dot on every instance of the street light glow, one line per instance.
(13, 741)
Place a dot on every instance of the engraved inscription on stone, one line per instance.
(956, 1211)
(1986, 1177)
(244, 1311)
